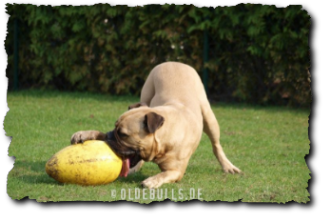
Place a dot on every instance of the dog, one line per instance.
(165, 127)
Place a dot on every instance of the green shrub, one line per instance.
(257, 53)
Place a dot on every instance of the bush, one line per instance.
(257, 54)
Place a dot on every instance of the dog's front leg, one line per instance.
(81, 136)
(156, 181)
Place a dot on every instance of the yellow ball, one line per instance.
(90, 163)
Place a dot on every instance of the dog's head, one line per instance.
(134, 136)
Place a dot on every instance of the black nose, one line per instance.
(110, 136)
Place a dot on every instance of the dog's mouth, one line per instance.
(129, 156)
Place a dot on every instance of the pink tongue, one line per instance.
(125, 168)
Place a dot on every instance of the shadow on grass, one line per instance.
(133, 99)
(267, 108)
(137, 177)
(34, 172)
(74, 95)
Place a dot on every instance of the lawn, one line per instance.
(269, 144)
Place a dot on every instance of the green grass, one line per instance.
(267, 143)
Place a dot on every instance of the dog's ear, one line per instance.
(140, 104)
(153, 121)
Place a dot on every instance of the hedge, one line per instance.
(252, 53)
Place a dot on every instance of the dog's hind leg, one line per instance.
(148, 90)
(212, 129)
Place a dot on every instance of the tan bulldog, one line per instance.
(165, 127)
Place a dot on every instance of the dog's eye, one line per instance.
(121, 134)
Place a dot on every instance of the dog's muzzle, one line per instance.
(121, 150)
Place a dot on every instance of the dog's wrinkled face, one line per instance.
(134, 135)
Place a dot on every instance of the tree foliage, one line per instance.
(258, 53)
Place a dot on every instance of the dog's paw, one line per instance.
(151, 183)
(80, 137)
(231, 169)
(76, 138)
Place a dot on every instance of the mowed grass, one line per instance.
(269, 144)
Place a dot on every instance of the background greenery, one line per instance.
(268, 144)
(254, 53)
